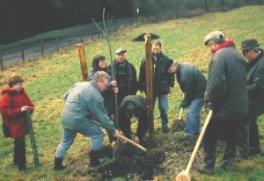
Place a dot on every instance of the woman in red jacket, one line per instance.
(13, 103)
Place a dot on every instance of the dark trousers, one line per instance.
(20, 153)
(235, 135)
(125, 126)
(254, 145)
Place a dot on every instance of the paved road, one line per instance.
(44, 47)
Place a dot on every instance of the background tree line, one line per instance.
(24, 18)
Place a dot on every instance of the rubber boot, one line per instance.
(94, 158)
(58, 164)
(208, 167)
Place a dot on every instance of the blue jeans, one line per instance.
(68, 136)
(163, 108)
(193, 119)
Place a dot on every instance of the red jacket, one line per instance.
(10, 108)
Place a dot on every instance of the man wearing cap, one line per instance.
(255, 85)
(83, 104)
(125, 74)
(226, 96)
(163, 81)
(193, 84)
(133, 106)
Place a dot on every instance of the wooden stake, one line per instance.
(81, 53)
(149, 83)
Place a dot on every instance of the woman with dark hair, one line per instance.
(99, 64)
(13, 103)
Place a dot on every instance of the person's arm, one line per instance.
(257, 84)
(7, 109)
(99, 112)
(142, 76)
(217, 83)
(187, 82)
(171, 77)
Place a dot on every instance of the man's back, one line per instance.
(226, 86)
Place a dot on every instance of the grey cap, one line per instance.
(120, 51)
(215, 35)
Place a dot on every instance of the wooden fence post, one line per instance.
(57, 43)
(81, 38)
(149, 83)
(42, 49)
(1, 60)
(83, 64)
(69, 38)
(22, 55)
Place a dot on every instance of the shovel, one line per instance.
(180, 114)
(184, 175)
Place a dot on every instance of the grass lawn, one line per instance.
(48, 79)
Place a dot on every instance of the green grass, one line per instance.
(48, 79)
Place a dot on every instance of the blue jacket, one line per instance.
(85, 103)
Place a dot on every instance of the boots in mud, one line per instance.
(94, 158)
(58, 164)
(208, 167)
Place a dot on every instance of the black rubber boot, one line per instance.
(208, 167)
(58, 164)
(94, 158)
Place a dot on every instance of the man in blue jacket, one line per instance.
(193, 84)
(84, 104)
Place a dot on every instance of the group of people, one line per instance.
(234, 92)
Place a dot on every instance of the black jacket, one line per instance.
(140, 112)
(226, 86)
(132, 76)
(162, 80)
(255, 85)
(192, 82)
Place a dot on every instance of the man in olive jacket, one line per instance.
(226, 95)
(163, 81)
(133, 106)
(193, 84)
(84, 105)
(255, 85)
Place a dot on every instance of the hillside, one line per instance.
(47, 80)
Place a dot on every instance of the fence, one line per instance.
(47, 47)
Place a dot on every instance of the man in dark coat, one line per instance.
(133, 106)
(125, 75)
(226, 95)
(163, 81)
(193, 84)
(255, 85)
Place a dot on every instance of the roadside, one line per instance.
(45, 44)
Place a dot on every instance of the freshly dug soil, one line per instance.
(162, 161)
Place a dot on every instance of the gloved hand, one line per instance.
(208, 106)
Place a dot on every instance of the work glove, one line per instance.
(208, 106)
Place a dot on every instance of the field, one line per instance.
(47, 80)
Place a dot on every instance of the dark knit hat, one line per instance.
(249, 44)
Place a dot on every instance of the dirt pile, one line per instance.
(164, 160)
